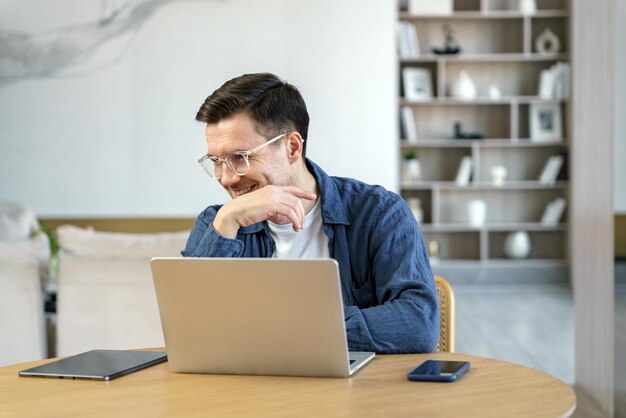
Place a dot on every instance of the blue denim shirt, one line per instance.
(388, 289)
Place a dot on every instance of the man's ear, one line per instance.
(294, 146)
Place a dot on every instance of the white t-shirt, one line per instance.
(309, 242)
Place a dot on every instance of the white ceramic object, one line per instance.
(498, 175)
(464, 87)
(547, 42)
(477, 212)
(527, 7)
(416, 207)
(412, 171)
(494, 92)
(517, 245)
(429, 7)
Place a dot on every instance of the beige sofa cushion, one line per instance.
(81, 241)
(35, 247)
(17, 221)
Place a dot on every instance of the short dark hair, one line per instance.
(274, 104)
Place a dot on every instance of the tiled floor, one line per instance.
(532, 325)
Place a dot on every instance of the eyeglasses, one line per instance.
(237, 161)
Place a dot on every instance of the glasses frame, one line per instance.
(218, 161)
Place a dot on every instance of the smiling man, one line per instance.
(283, 205)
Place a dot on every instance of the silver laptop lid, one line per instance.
(252, 316)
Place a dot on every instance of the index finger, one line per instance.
(298, 192)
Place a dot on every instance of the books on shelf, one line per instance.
(407, 127)
(553, 212)
(551, 170)
(554, 82)
(408, 44)
(464, 173)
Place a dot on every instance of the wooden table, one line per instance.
(491, 388)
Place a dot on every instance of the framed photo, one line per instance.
(545, 122)
(418, 84)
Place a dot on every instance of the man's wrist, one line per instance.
(224, 227)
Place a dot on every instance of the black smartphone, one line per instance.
(439, 371)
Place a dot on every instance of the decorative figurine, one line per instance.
(547, 42)
(451, 46)
(459, 134)
(464, 87)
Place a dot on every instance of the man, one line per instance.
(285, 206)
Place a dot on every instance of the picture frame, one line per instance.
(545, 122)
(417, 83)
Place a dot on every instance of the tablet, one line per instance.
(98, 365)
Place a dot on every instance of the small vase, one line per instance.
(477, 212)
(527, 7)
(416, 207)
(412, 171)
(517, 245)
(464, 88)
(547, 42)
(494, 92)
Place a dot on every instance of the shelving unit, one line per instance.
(497, 48)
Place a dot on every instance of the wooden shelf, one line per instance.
(506, 227)
(505, 262)
(484, 143)
(487, 14)
(509, 185)
(503, 101)
(499, 57)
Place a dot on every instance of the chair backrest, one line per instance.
(446, 315)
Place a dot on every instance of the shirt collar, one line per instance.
(333, 211)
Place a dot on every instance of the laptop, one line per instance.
(257, 316)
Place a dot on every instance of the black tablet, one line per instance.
(97, 365)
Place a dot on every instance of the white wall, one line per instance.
(115, 135)
(619, 155)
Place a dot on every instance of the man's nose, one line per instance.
(229, 177)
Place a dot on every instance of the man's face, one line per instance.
(268, 166)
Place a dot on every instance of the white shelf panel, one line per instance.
(481, 143)
(542, 262)
(510, 185)
(487, 14)
(486, 57)
(527, 226)
(505, 262)
(503, 101)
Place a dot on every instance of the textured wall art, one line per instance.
(72, 50)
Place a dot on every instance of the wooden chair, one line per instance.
(446, 315)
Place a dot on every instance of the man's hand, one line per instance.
(279, 204)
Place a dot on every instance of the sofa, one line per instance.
(105, 295)
(24, 255)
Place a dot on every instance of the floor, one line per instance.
(532, 325)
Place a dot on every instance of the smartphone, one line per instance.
(439, 371)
